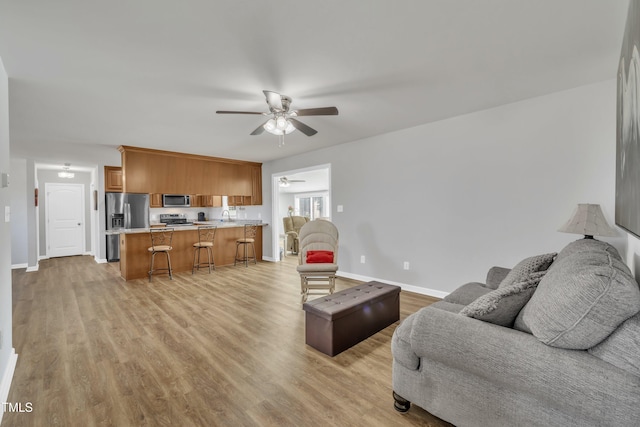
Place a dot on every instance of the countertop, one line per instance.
(219, 224)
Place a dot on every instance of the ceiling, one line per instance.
(316, 180)
(152, 73)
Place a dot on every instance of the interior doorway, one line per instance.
(299, 192)
(64, 219)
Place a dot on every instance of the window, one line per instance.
(313, 206)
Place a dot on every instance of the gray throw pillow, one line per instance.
(622, 347)
(580, 301)
(524, 268)
(501, 306)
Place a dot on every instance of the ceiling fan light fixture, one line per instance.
(279, 126)
(281, 123)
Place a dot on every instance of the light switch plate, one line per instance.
(340, 208)
(7, 213)
(4, 180)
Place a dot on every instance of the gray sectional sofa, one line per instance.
(555, 341)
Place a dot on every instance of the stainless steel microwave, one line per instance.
(175, 200)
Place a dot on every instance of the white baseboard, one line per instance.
(403, 286)
(41, 257)
(34, 268)
(101, 260)
(16, 266)
(7, 377)
(268, 258)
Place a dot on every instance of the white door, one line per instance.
(64, 219)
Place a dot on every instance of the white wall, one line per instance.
(18, 190)
(457, 196)
(7, 353)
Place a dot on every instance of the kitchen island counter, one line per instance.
(196, 224)
(135, 256)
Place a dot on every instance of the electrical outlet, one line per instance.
(406, 265)
(340, 208)
(361, 259)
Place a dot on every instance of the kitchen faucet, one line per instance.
(228, 214)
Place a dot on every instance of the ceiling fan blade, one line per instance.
(259, 129)
(302, 127)
(274, 100)
(238, 112)
(324, 111)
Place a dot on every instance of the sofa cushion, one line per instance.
(467, 293)
(502, 305)
(581, 300)
(587, 245)
(524, 268)
(622, 347)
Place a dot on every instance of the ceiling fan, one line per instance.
(282, 120)
(285, 182)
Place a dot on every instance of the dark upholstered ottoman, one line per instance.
(338, 321)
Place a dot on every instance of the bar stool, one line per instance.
(206, 236)
(160, 243)
(250, 231)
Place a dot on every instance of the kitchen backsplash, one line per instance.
(211, 214)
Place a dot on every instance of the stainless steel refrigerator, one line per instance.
(124, 210)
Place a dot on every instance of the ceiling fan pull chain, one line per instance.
(281, 141)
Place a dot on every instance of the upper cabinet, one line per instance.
(164, 172)
(256, 185)
(113, 179)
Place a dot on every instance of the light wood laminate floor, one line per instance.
(224, 349)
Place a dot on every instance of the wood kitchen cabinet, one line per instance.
(209, 201)
(256, 185)
(155, 200)
(165, 172)
(113, 179)
(205, 201)
(239, 200)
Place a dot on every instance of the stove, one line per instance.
(173, 220)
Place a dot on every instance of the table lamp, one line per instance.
(589, 220)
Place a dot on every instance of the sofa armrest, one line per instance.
(517, 360)
(495, 276)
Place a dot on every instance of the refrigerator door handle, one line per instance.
(127, 215)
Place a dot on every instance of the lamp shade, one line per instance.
(589, 220)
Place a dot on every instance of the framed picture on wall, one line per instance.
(628, 126)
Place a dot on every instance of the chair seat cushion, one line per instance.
(317, 268)
(203, 244)
(245, 240)
(160, 248)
